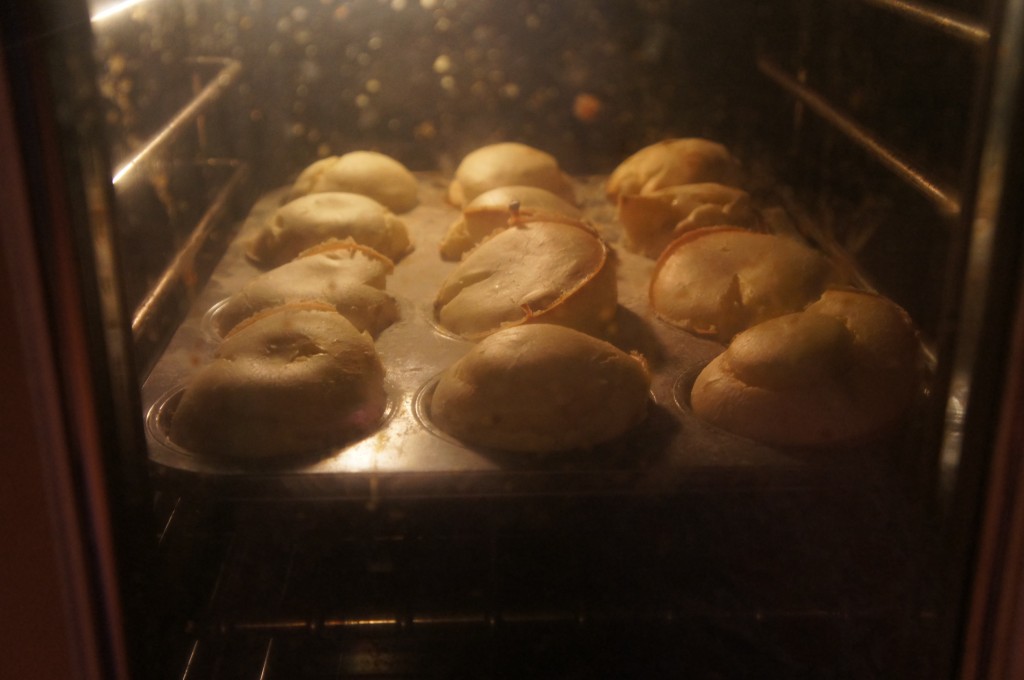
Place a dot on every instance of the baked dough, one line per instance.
(541, 271)
(311, 220)
(292, 380)
(673, 162)
(343, 274)
(368, 173)
(718, 281)
(491, 211)
(843, 370)
(507, 164)
(652, 221)
(541, 388)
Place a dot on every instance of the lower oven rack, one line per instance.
(551, 588)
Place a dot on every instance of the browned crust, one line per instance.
(536, 316)
(346, 244)
(310, 305)
(683, 240)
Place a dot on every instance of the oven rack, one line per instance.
(955, 24)
(960, 27)
(946, 199)
(228, 72)
(696, 647)
(158, 314)
(158, 162)
(651, 578)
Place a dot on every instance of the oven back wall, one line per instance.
(428, 80)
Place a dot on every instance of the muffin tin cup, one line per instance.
(160, 415)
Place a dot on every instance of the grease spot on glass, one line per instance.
(442, 64)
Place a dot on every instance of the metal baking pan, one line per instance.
(407, 456)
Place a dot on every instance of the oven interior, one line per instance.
(861, 120)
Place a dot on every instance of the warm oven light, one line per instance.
(113, 9)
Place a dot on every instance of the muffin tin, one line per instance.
(406, 454)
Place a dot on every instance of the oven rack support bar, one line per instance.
(944, 198)
(181, 268)
(228, 74)
(950, 23)
(581, 618)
